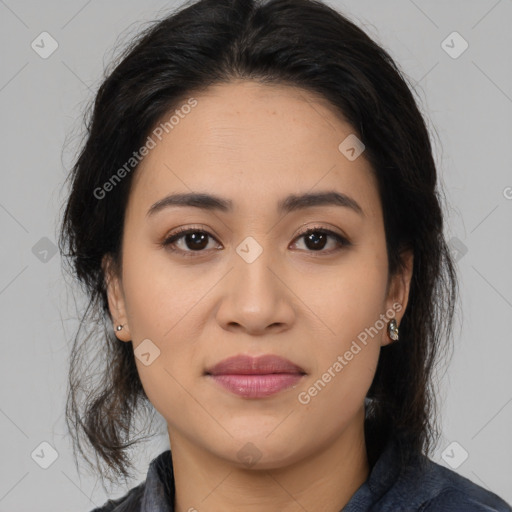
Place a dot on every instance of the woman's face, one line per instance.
(249, 282)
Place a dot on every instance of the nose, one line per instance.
(256, 297)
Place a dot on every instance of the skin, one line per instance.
(256, 144)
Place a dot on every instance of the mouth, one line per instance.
(256, 377)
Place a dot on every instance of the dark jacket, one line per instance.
(390, 487)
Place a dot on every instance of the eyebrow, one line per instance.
(286, 205)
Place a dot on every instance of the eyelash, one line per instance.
(170, 240)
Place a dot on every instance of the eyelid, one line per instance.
(319, 227)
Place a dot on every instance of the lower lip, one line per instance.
(257, 386)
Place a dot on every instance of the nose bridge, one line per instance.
(257, 247)
(254, 262)
(255, 297)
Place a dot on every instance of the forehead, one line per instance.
(253, 143)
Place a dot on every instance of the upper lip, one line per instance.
(247, 365)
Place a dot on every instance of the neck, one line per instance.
(323, 481)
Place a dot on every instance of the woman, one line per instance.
(256, 219)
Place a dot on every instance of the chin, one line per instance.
(261, 451)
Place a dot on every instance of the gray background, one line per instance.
(468, 100)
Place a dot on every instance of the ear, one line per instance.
(398, 290)
(115, 294)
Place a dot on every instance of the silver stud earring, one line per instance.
(119, 327)
(393, 329)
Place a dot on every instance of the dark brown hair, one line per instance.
(306, 44)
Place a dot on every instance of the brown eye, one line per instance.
(315, 240)
(196, 240)
(193, 240)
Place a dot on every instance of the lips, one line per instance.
(255, 377)
(248, 365)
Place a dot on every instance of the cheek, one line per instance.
(157, 295)
(345, 300)
(347, 351)
(160, 307)
(350, 329)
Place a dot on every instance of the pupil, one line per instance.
(315, 237)
(197, 240)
